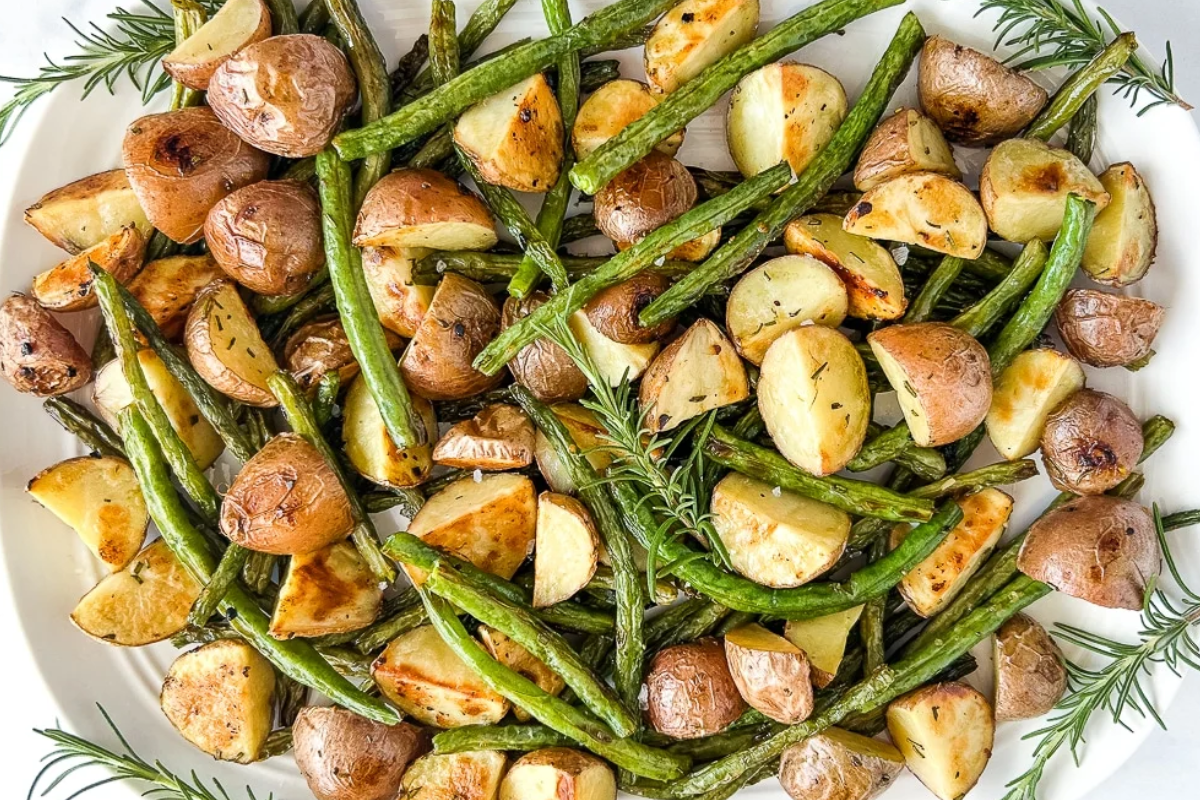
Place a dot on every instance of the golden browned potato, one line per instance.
(1108, 330)
(472, 775)
(181, 163)
(285, 95)
(370, 447)
(462, 319)
(522, 662)
(614, 361)
(783, 112)
(609, 110)
(37, 354)
(839, 765)
(1098, 548)
(344, 756)
(1091, 442)
(542, 367)
(267, 236)
(236, 24)
(614, 311)
(922, 208)
(320, 347)
(696, 373)
(874, 286)
(499, 437)
(906, 142)
(643, 198)
(1026, 392)
(566, 550)
(588, 435)
(145, 602)
(945, 732)
(690, 691)
(974, 99)
(771, 673)
(1120, 248)
(84, 213)
(693, 35)
(1030, 675)
(400, 303)
(823, 640)
(167, 287)
(556, 773)
(515, 137)
(226, 348)
(330, 590)
(286, 500)
(68, 285)
(942, 378)
(423, 208)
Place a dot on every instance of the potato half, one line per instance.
(945, 733)
(320, 347)
(344, 756)
(1108, 330)
(499, 437)
(1026, 392)
(556, 773)
(542, 367)
(85, 212)
(696, 373)
(1090, 443)
(906, 142)
(771, 673)
(609, 110)
(68, 285)
(522, 662)
(823, 640)
(370, 447)
(226, 348)
(874, 286)
(515, 137)
(167, 288)
(473, 775)
(615, 361)
(922, 208)
(814, 398)
(567, 549)
(588, 435)
(614, 311)
(1030, 676)
(839, 765)
(783, 112)
(643, 198)
(693, 35)
(690, 692)
(400, 303)
(330, 590)
(942, 378)
(236, 24)
(423, 208)
(1120, 248)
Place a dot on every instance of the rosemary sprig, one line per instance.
(1167, 637)
(1072, 38)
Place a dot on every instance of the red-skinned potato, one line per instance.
(1091, 442)
(320, 347)
(236, 24)
(690, 691)
(1108, 330)
(167, 287)
(771, 673)
(908, 141)
(423, 208)
(37, 354)
(614, 311)
(1030, 677)
(344, 756)
(839, 765)
(542, 367)
(68, 286)
(499, 437)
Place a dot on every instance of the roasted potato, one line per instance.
(1026, 392)
(456, 776)
(542, 367)
(226, 348)
(344, 756)
(874, 286)
(567, 549)
(68, 285)
(286, 500)
(236, 24)
(556, 773)
(423, 208)
(99, 497)
(331, 590)
(783, 112)
(515, 137)
(1108, 330)
(499, 437)
(771, 673)
(690, 691)
(814, 398)
(37, 354)
(400, 303)
(285, 95)
(823, 640)
(945, 733)
(219, 698)
(1098, 548)
(614, 311)
(693, 35)
(974, 99)
(1024, 188)
(696, 373)
(942, 378)
(181, 163)
(780, 295)
(267, 236)
(370, 447)
(426, 680)
(461, 320)
(84, 213)
(167, 287)
(609, 110)
(1120, 248)
(776, 537)
(922, 208)
(588, 435)
(906, 142)
(1030, 677)
(615, 361)
(320, 347)
(522, 662)
(145, 602)
(1091, 442)
(838, 765)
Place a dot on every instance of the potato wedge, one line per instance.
(839, 765)
(614, 311)
(226, 348)
(498, 437)
(567, 549)
(1120, 248)
(609, 110)
(344, 756)
(111, 394)
(515, 137)
(542, 367)
(1026, 392)
(370, 448)
(1024, 188)
(906, 142)
(615, 361)
(922, 208)
(780, 295)
(330, 590)
(814, 398)
(320, 347)
(145, 602)
(522, 662)
(426, 680)
(1108, 330)
(690, 692)
(942, 378)
(423, 208)
(696, 373)
(945, 733)
(874, 286)
(37, 354)
(88, 211)
(400, 303)
(771, 673)
(462, 319)
(99, 497)
(456, 776)
(644, 197)
(783, 112)
(556, 773)
(167, 288)
(823, 640)
(236, 24)
(776, 537)
(931, 585)
(588, 435)
(1030, 676)
(68, 285)
(694, 34)
(219, 698)
(1091, 442)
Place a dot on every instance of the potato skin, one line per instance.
(168, 286)
(320, 347)
(542, 367)
(1091, 442)
(285, 95)
(890, 151)
(776, 683)
(1108, 330)
(1029, 671)
(828, 767)
(267, 236)
(614, 311)
(410, 198)
(644, 197)
(286, 500)
(344, 756)
(37, 354)
(691, 692)
(1098, 548)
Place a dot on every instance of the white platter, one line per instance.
(46, 570)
